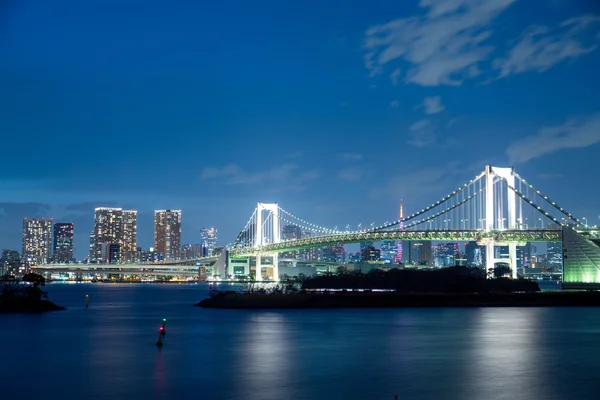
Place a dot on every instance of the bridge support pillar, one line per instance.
(512, 255)
(276, 267)
(490, 246)
(258, 268)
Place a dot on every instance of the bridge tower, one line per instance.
(493, 221)
(267, 231)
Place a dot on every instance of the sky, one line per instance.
(337, 110)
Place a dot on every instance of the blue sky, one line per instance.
(336, 109)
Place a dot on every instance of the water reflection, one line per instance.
(508, 356)
(265, 357)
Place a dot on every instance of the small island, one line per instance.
(448, 287)
(25, 295)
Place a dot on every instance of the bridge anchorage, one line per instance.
(498, 209)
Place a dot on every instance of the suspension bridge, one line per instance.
(496, 208)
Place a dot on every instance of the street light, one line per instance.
(585, 221)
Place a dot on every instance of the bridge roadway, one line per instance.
(500, 237)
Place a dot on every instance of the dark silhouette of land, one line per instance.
(25, 295)
(448, 287)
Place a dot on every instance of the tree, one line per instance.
(501, 270)
(36, 279)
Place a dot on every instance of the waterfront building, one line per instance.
(167, 233)
(63, 243)
(37, 241)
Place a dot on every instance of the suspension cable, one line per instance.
(437, 203)
(546, 214)
(548, 200)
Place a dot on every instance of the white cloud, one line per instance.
(442, 47)
(540, 48)
(394, 104)
(233, 174)
(350, 156)
(433, 105)
(351, 174)
(395, 76)
(576, 133)
(419, 125)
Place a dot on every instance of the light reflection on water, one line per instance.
(109, 350)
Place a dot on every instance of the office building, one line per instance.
(209, 241)
(108, 228)
(417, 252)
(11, 262)
(167, 233)
(63, 243)
(129, 252)
(191, 251)
(37, 241)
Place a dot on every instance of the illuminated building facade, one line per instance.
(108, 229)
(63, 243)
(37, 241)
(417, 252)
(167, 233)
(290, 232)
(129, 253)
(209, 241)
(191, 251)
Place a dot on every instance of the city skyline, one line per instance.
(509, 83)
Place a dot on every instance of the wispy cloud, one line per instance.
(394, 103)
(395, 76)
(576, 133)
(541, 48)
(350, 156)
(351, 174)
(233, 174)
(422, 133)
(442, 47)
(433, 105)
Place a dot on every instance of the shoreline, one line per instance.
(25, 306)
(395, 300)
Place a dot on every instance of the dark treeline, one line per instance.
(445, 280)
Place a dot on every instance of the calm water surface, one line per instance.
(108, 350)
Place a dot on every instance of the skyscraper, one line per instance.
(167, 233)
(37, 241)
(63, 243)
(108, 228)
(209, 241)
(129, 252)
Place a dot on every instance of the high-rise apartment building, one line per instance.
(167, 233)
(128, 249)
(209, 241)
(108, 228)
(63, 243)
(37, 241)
